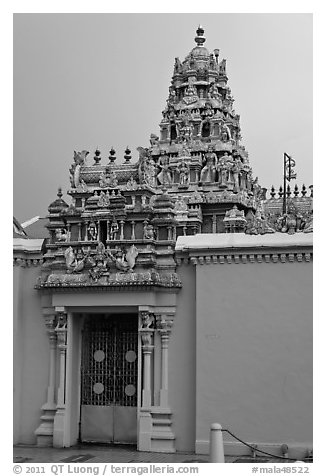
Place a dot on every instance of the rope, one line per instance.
(256, 449)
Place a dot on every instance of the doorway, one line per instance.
(109, 372)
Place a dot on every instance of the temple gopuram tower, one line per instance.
(198, 155)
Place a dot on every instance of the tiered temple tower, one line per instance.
(194, 178)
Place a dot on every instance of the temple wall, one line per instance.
(254, 352)
(182, 362)
(31, 355)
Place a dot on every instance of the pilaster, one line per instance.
(44, 433)
(59, 419)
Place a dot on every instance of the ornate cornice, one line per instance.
(27, 262)
(234, 257)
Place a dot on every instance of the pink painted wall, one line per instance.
(182, 363)
(254, 351)
(31, 354)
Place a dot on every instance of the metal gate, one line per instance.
(109, 379)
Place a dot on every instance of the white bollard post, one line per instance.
(216, 448)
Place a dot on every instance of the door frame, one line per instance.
(75, 322)
(132, 316)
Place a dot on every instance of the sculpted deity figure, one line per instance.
(92, 231)
(153, 140)
(131, 184)
(79, 161)
(114, 228)
(245, 173)
(177, 66)
(148, 231)
(164, 177)
(146, 167)
(184, 172)
(256, 188)
(225, 133)
(126, 261)
(61, 234)
(213, 92)
(208, 173)
(172, 96)
(75, 263)
(150, 172)
(236, 168)
(287, 222)
(223, 170)
(82, 187)
(191, 90)
(222, 67)
(108, 180)
(99, 263)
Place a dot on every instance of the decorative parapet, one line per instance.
(243, 249)
(27, 252)
(27, 262)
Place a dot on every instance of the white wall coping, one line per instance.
(30, 221)
(241, 240)
(28, 244)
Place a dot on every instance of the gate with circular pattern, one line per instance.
(109, 379)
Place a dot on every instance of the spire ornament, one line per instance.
(200, 39)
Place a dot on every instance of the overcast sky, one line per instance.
(83, 81)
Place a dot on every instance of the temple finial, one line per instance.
(200, 39)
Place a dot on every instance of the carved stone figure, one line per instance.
(126, 261)
(190, 95)
(82, 187)
(223, 169)
(92, 231)
(114, 228)
(225, 133)
(208, 173)
(177, 66)
(99, 262)
(147, 320)
(309, 225)
(154, 140)
(222, 67)
(236, 168)
(148, 231)
(108, 180)
(104, 200)
(184, 173)
(256, 188)
(213, 92)
(74, 263)
(131, 184)
(258, 225)
(172, 96)
(61, 234)
(164, 177)
(146, 167)
(79, 161)
(245, 175)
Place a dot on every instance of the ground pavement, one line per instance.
(114, 454)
